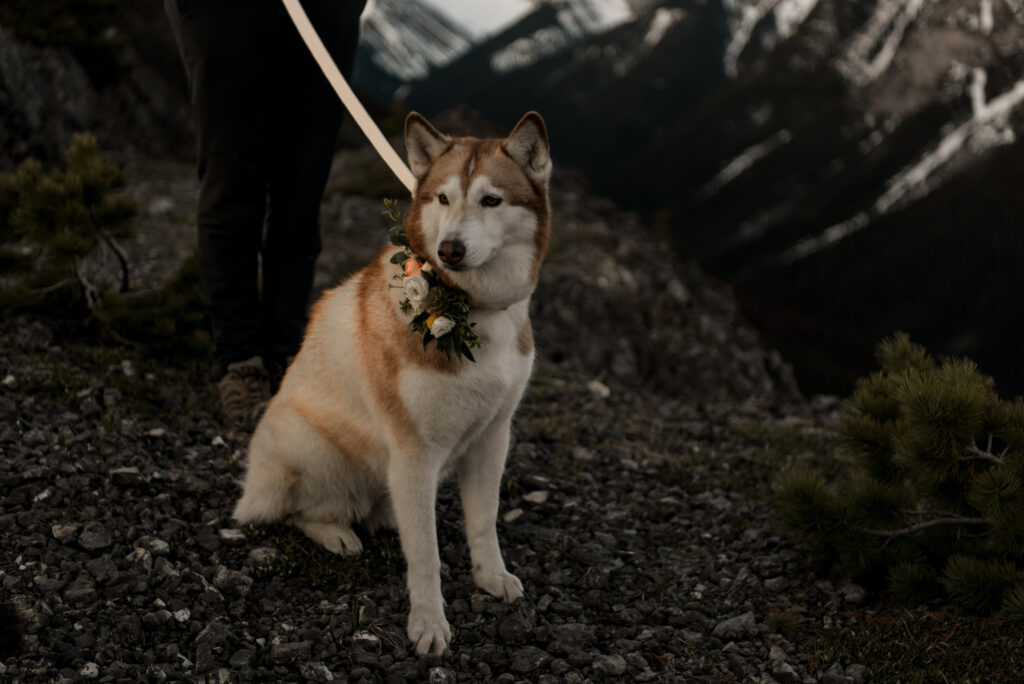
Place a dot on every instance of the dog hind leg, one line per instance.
(333, 536)
(270, 483)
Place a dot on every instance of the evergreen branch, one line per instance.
(112, 334)
(54, 287)
(92, 295)
(914, 529)
(940, 513)
(115, 247)
(983, 455)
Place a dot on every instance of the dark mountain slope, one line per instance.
(946, 269)
(776, 140)
(601, 98)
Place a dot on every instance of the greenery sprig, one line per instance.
(439, 310)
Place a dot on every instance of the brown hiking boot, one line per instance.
(244, 392)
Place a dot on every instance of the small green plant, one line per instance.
(934, 499)
(68, 23)
(52, 220)
(924, 648)
(310, 564)
(151, 389)
(170, 319)
(784, 622)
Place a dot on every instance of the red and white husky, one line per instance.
(368, 421)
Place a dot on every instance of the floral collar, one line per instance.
(439, 310)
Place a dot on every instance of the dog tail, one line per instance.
(269, 490)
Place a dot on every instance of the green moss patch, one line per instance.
(927, 647)
(302, 560)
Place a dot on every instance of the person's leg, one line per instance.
(305, 125)
(227, 47)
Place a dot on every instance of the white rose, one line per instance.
(442, 326)
(416, 288)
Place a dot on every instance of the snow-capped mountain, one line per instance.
(409, 38)
(855, 178)
(771, 21)
(401, 41)
(574, 20)
(905, 59)
(811, 151)
(639, 66)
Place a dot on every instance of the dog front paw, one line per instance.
(428, 630)
(502, 584)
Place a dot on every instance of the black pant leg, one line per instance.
(228, 47)
(305, 120)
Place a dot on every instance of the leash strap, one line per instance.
(348, 98)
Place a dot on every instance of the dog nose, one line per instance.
(451, 251)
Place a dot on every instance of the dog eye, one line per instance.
(490, 201)
(442, 198)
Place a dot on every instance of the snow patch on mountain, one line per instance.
(745, 160)
(985, 20)
(523, 52)
(987, 128)
(1017, 7)
(978, 91)
(745, 17)
(827, 238)
(870, 52)
(408, 39)
(790, 14)
(590, 17)
(576, 20)
(663, 19)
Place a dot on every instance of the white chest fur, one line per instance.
(450, 409)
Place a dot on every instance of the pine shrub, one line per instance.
(53, 220)
(169, 319)
(1013, 604)
(932, 502)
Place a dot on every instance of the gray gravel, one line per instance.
(635, 517)
(124, 563)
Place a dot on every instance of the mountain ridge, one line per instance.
(762, 135)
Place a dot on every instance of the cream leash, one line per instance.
(348, 98)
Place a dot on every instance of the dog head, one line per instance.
(480, 211)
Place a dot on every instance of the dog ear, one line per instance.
(528, 146)
(423, 144)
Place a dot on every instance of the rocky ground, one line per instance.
(635, 507)
(635, 523)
